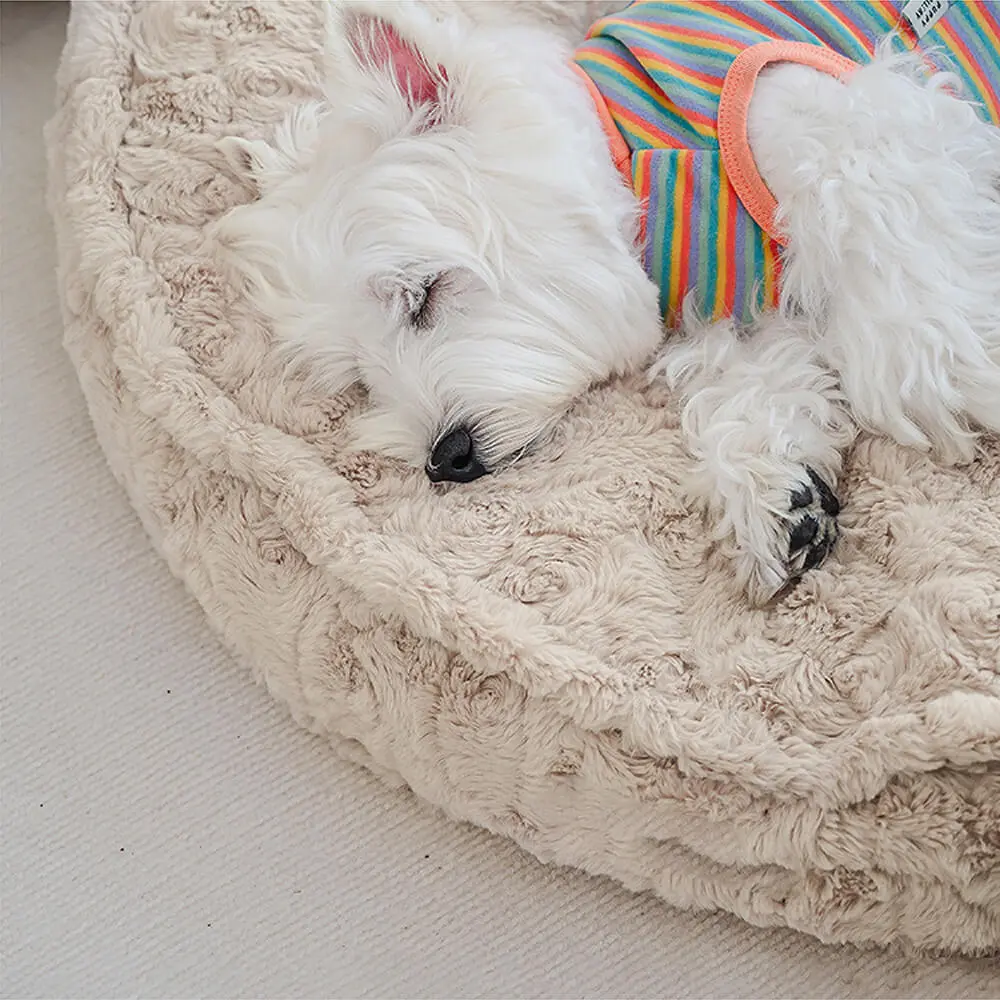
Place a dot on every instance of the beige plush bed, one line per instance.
(554, 653)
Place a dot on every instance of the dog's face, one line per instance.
(448, 229)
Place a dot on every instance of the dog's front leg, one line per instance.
(889, 192)
(766, 425)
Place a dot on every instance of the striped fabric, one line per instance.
(659, 68)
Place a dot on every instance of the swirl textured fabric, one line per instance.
(554, 653)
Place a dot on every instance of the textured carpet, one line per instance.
(648, 921)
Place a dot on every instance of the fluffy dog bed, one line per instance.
(555, 653)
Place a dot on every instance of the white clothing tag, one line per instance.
(924, 14)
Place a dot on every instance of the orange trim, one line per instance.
(620, 153)
(734, 106)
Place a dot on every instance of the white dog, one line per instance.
(447, 227)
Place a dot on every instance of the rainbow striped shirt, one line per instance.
(660, 71)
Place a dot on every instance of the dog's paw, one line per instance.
(812, 519)
(789, 529)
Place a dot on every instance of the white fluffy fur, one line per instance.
(887, 187)
(363, 198)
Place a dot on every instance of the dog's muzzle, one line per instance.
(453, 459)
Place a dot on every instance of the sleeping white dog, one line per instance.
(452, 227)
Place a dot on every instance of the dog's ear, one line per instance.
(380, 47)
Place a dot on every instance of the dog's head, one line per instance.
(447, 227)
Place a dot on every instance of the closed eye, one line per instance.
(421, 303)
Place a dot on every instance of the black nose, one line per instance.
(453, 459)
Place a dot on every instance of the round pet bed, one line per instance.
(555, 653)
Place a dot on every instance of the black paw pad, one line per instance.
(812, 524)
(827, 500)
(804, 532)
(800, 497)
(819, 552)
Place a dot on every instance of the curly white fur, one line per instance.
(471, 260)
(365, 196)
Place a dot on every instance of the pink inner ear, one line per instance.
(415, 78)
